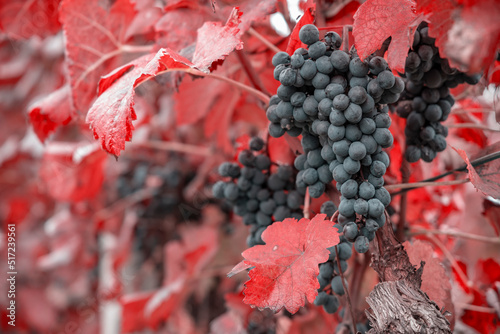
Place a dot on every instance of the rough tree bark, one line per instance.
(397, 305)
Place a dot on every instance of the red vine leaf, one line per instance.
(72, 172)
(308, 18)
(215, 41)
(485, 177)
(439, 14)
(435, 282)
(474, 38)
(377, 20)
(94, 40)
(51, 112)
(112, 114)
(285, 269)
(21, 19)
(467, 34)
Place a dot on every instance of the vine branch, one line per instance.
(353, 320)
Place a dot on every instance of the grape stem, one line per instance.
(345, 37)
(416, 185)
(250, 71)
(307, 202)
(457, 234)
(261, 96)
(472, 126)
(124, 203)
(475, 308)
(346, 291)
(357, 278)
(320, 17)
(176, 147)
(336, 7)
(403, 204)
(251, 31)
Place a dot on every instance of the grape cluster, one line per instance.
(257, 192)
(426, 100)
(329, 277)
(338, 103)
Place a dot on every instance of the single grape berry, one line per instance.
(308, 34)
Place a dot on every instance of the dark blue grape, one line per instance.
(353, 113)
(280, 58)
(320, 81)
(375, 207)
(337, 286)
(349, 189)
(358, 68)
(317, 50)
(386, 79)
(218, 189)
(308, 70)
(357, 150)
(231, 192)
(361, 207)
(340, 60)
(361, 245)
(288, 76)
(324, 65)
(309, 34)
(377, 65)
(317, 189)
(351, 230)
(336, 133)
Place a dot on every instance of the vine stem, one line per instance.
(251, 31)
(457, 234)
(469, 110)
(345, 37)
(476, 162)
(416, 185)
(124, 203)
(307, 202)
(261, 96)
(250, 71)
(176, 147)
(320, 17)
(472, 126)
(357, 278)
(403, 204)
(476, 308)
(346, 291)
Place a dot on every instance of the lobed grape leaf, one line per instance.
(184, 22)
(215, 41)
(435, 281)
(21, 19)
(51, 112)
(439, 14)
(377, 20)
(284, 271)
(94, 38)
(467, 33)
(72, 172)
(112, 113)
(485, 177)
